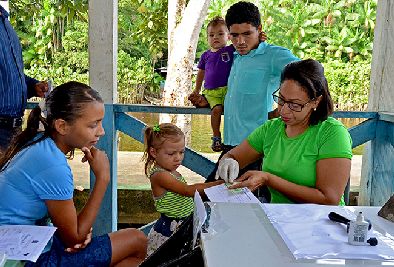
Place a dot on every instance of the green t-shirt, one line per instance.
(294, 159)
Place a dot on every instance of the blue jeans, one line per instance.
(97, 254)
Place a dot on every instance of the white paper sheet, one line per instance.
(3, 259)
(309, 234)
(199, 215)
(24, 242)
(220, 193)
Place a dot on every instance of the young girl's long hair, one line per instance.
(66, 102)
(154, 137)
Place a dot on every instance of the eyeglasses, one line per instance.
(293, 106)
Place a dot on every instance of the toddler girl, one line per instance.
(164, 152)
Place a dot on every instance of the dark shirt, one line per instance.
(15, 86)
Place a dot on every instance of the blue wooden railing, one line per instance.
(116, 119)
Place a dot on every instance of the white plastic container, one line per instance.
(358, 231)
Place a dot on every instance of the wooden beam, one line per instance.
(161, 109)
(207, 111)
(363, 132)
(386, 116)
(355, 115)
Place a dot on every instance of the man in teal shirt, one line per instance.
(255, 75)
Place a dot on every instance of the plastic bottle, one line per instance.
(358, 231)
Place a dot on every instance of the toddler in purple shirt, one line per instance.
(214, 68)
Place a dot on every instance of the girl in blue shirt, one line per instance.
(36, 183)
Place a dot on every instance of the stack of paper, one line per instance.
(24, 242)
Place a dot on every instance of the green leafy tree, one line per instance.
(143, 28)
(322, 28)
(41, 26)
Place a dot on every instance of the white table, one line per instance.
(242, 235)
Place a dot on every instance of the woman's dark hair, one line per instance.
(309, 74)
(66, 102)
(243, 12)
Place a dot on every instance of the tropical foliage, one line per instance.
(41, 25)
(339, 33)
(322, 29)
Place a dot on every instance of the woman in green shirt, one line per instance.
(307, 154)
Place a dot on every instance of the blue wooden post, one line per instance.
(381, 182)
(108, 217)
(377, 172)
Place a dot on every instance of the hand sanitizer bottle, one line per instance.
(358, 231)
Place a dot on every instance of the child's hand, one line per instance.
(195, 92)
(98, 162)
(198, 100)
(192, 97)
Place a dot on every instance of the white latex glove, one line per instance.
(228, 170)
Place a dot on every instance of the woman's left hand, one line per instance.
(251, 180)
(83, 245)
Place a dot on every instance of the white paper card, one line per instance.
(3, 259)
(24, 242)
(199, 216)
(220, 193)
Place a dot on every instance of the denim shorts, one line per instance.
(97, 253)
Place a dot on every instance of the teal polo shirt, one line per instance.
(253, 78)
